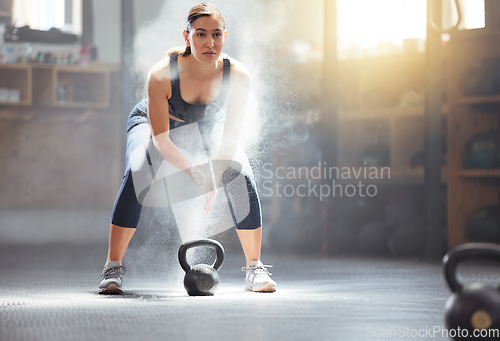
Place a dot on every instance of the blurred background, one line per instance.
(374, 129)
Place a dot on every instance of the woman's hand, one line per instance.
(197, 176)
(205, 182)
(210, 199)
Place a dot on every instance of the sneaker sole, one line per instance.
(266, 288)
(111, 289)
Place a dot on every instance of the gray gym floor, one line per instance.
(48, 293)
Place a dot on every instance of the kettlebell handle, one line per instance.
(466, 251)
(201, 242)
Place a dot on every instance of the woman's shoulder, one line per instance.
(238, 70)
(160, 71)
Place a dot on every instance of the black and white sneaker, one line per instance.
(258, 278)
(111, 279)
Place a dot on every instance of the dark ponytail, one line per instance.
(201, 10)
(187, 51)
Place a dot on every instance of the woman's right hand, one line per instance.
(206, 183)
(197, 176)
(210, 199)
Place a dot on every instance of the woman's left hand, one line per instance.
(210, 199)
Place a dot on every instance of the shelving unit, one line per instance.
(479, 173)
(64, 86)
(469, 189)
(70, 86)
(82, 88)
(384, 104)
(43, 140)
(398, 127)
(479, 100)
(14, 77)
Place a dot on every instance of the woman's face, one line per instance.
(206, 39)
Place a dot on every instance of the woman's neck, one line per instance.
(193, 66)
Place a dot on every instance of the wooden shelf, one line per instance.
(385, 113)
(415, 174)
(396, 175)
(42, 84)
(468, 189)
(479, 99)
(83, 87)
(16, 77)
(21, 103)
(15, 66)
(73, 104)
(480, 173)
(95, 67)
(72, 86)
(5, 14)
(380, 113)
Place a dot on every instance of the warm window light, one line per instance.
(367, 27)
(39, 14)
(472, 14)
(45, 14)
(376, 27)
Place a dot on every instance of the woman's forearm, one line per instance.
(202, 176)
(169, 151)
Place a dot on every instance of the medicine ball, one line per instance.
(483, 150)
(408, 239)
(484, 225)
(483, 78)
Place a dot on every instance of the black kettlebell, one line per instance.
(474, 306)
(201, 279)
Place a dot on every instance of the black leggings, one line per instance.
(127, 207)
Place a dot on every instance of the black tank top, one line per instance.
(203, 114)
(195, 112)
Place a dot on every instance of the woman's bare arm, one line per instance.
(159, 90)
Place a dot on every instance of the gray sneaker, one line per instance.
(257, 277)
(111, 279)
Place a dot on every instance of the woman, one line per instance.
(214, 92)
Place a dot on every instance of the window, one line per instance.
(472, 14)
(45, 14)
(367, 27)
(377, 27)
